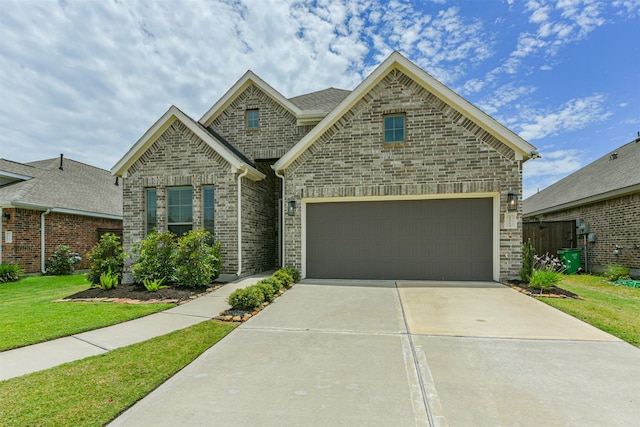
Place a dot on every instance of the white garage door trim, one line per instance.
(496, 218)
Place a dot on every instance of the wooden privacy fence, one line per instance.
(549, 236)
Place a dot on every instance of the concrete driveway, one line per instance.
(384, 353)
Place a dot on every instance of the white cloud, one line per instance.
(551, 167)
(573, 115)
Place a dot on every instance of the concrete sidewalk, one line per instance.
(37, 357)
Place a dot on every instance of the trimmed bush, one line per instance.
(106, 257)
(248, 298)
(10, 273)
(62, 262)
(267, 290)
(155, 257)
(295, 274)
(197, 263)
(274, 283)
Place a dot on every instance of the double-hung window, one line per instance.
(179, 210)
(394, 128)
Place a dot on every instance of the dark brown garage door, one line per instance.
(449, 239)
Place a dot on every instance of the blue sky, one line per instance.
(88, 77)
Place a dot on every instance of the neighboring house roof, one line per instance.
(521, 147)
(237, 160)
(322, 100)
(78, 188)
(612, 175)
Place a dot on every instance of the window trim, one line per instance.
(394, 129)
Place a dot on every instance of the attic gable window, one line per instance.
(394, 128)
(253, 119)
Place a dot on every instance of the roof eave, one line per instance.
(592, 199)
(173, 114)
(35, 207)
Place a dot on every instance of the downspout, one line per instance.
(283, 216)
(246, 171)
(42, 241)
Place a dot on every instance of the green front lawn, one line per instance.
(614, 309)
(94, 391)
(28, 314)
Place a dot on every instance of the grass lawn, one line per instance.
(614, 309)
(28, 314)
(93, 391)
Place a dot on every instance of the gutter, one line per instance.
(282, 212)
(42, 241)
(60, 210)
(243, 174)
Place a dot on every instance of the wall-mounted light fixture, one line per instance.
(512, 202)
(534, 155)
(291, 208)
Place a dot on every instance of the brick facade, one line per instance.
(80, 233)
(444, 153)
(615, 222)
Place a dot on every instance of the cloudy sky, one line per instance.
(88, 77)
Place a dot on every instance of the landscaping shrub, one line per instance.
(108, 280)
(106, 256)
(544, 279)
(295, 274)
(197, 263)
(528, 254)
(248, 298)
(155, 257)
(62, 262)
(10, 273)
(616, 272)
(153, 285)
(267, 289)
(275, 284)
(284, 278)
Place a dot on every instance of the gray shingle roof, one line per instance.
(322, 100)
(78, 187)
(617, 172)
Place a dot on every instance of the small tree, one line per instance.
(528, 261)
(155, 257)
(106, 257)
(62, 262)
(196, 261)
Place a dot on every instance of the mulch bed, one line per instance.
(137, 294)
(553, 292)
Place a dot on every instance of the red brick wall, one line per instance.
(80, 233)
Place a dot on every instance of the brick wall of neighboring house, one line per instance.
(80, 233)
(275, 135)
(179, 158)
(615, 222)
(445, 153)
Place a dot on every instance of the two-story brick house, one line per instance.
(399, 178)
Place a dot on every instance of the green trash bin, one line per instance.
(570, 258)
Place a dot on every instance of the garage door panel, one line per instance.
(448, 239)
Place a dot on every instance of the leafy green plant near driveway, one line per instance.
(528, 261)
(547, 272)
(266, 290)
(106, 257)
(94, 391)
(28, 314)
